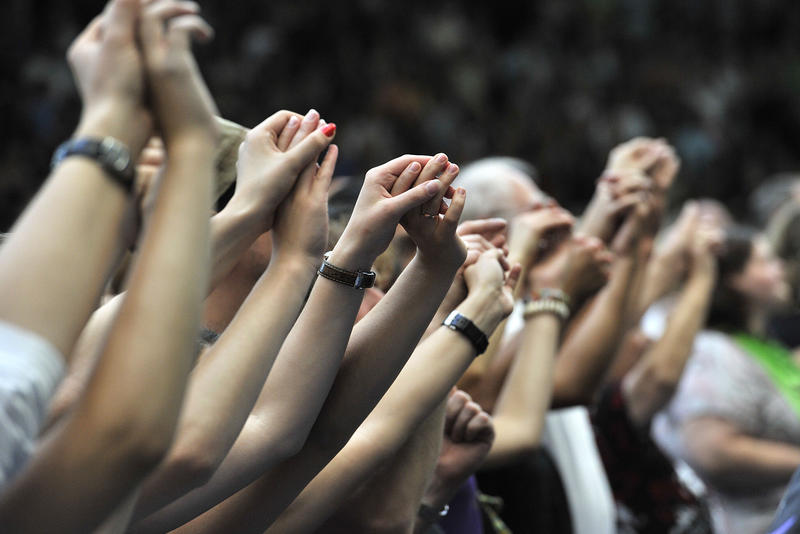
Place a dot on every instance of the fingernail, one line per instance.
(329, 129)
(453, 168)
(292, 122)
(414, 167)
(433, 186)
(441, 158)
(311, 115)
(321, 124)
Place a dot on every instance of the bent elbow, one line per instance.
(193, 466)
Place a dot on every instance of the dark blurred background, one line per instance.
(555, 82)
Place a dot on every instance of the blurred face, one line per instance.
(763, 280)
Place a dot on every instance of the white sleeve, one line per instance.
(30, 370)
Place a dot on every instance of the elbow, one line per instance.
(288, 445)
(131, 445)
(568, 393)
(664, 381)
(191, 465)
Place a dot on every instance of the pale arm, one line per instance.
(652, 381)
(525, 398)
(590, 343)
(733, 461)
(427, 377)
(302, 376)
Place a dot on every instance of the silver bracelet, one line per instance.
(546, 305)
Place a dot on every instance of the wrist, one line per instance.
(483, 308)
(246, 215)
(128, 125)
(441, 259)
(295, 264)
(349, 256)
(200, 143)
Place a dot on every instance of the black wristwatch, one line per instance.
(112, 155)
(459, 323)
(356, 279)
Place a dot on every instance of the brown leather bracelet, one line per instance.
(355, 279)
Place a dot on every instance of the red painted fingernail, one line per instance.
(329, 129)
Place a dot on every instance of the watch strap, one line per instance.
(461, 324)
(111, 154)
(356, 279)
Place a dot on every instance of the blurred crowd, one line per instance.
(552, 82)
(212, 319)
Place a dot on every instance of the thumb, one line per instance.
(414, 197)
(311, 147)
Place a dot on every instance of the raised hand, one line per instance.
(272, 156)
(529, 229)
(468, 436)
(492, 276)
(653, 157)
(108, 70)
(493, 230)
(431, 226)
(579, 267)
(704, 245)
(182, 103)
(301, 221)
(617, 192)
(387, 195)
(476, 244)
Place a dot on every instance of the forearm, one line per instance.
(263, 501)
(590, 343)
(226, 382)
(233, 230)
(59, 254)
(525, 398)
(661, 276)
(390, 330)
(125, 420)
(651, 383)
(288, 404)
(428, 376)
(389, 501)
(742, 463)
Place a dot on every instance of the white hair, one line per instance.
(489, 185)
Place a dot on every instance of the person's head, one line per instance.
(769, 197)
(751, 280)
(498, 187)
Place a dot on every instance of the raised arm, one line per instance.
(226, 382)
(268, 165)
(125, 420)
(423, 384)
(523, 402)
(272, 156)
(388, 330)
(57, 258)
(650, 384)
(592, 339)
(306, 366)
